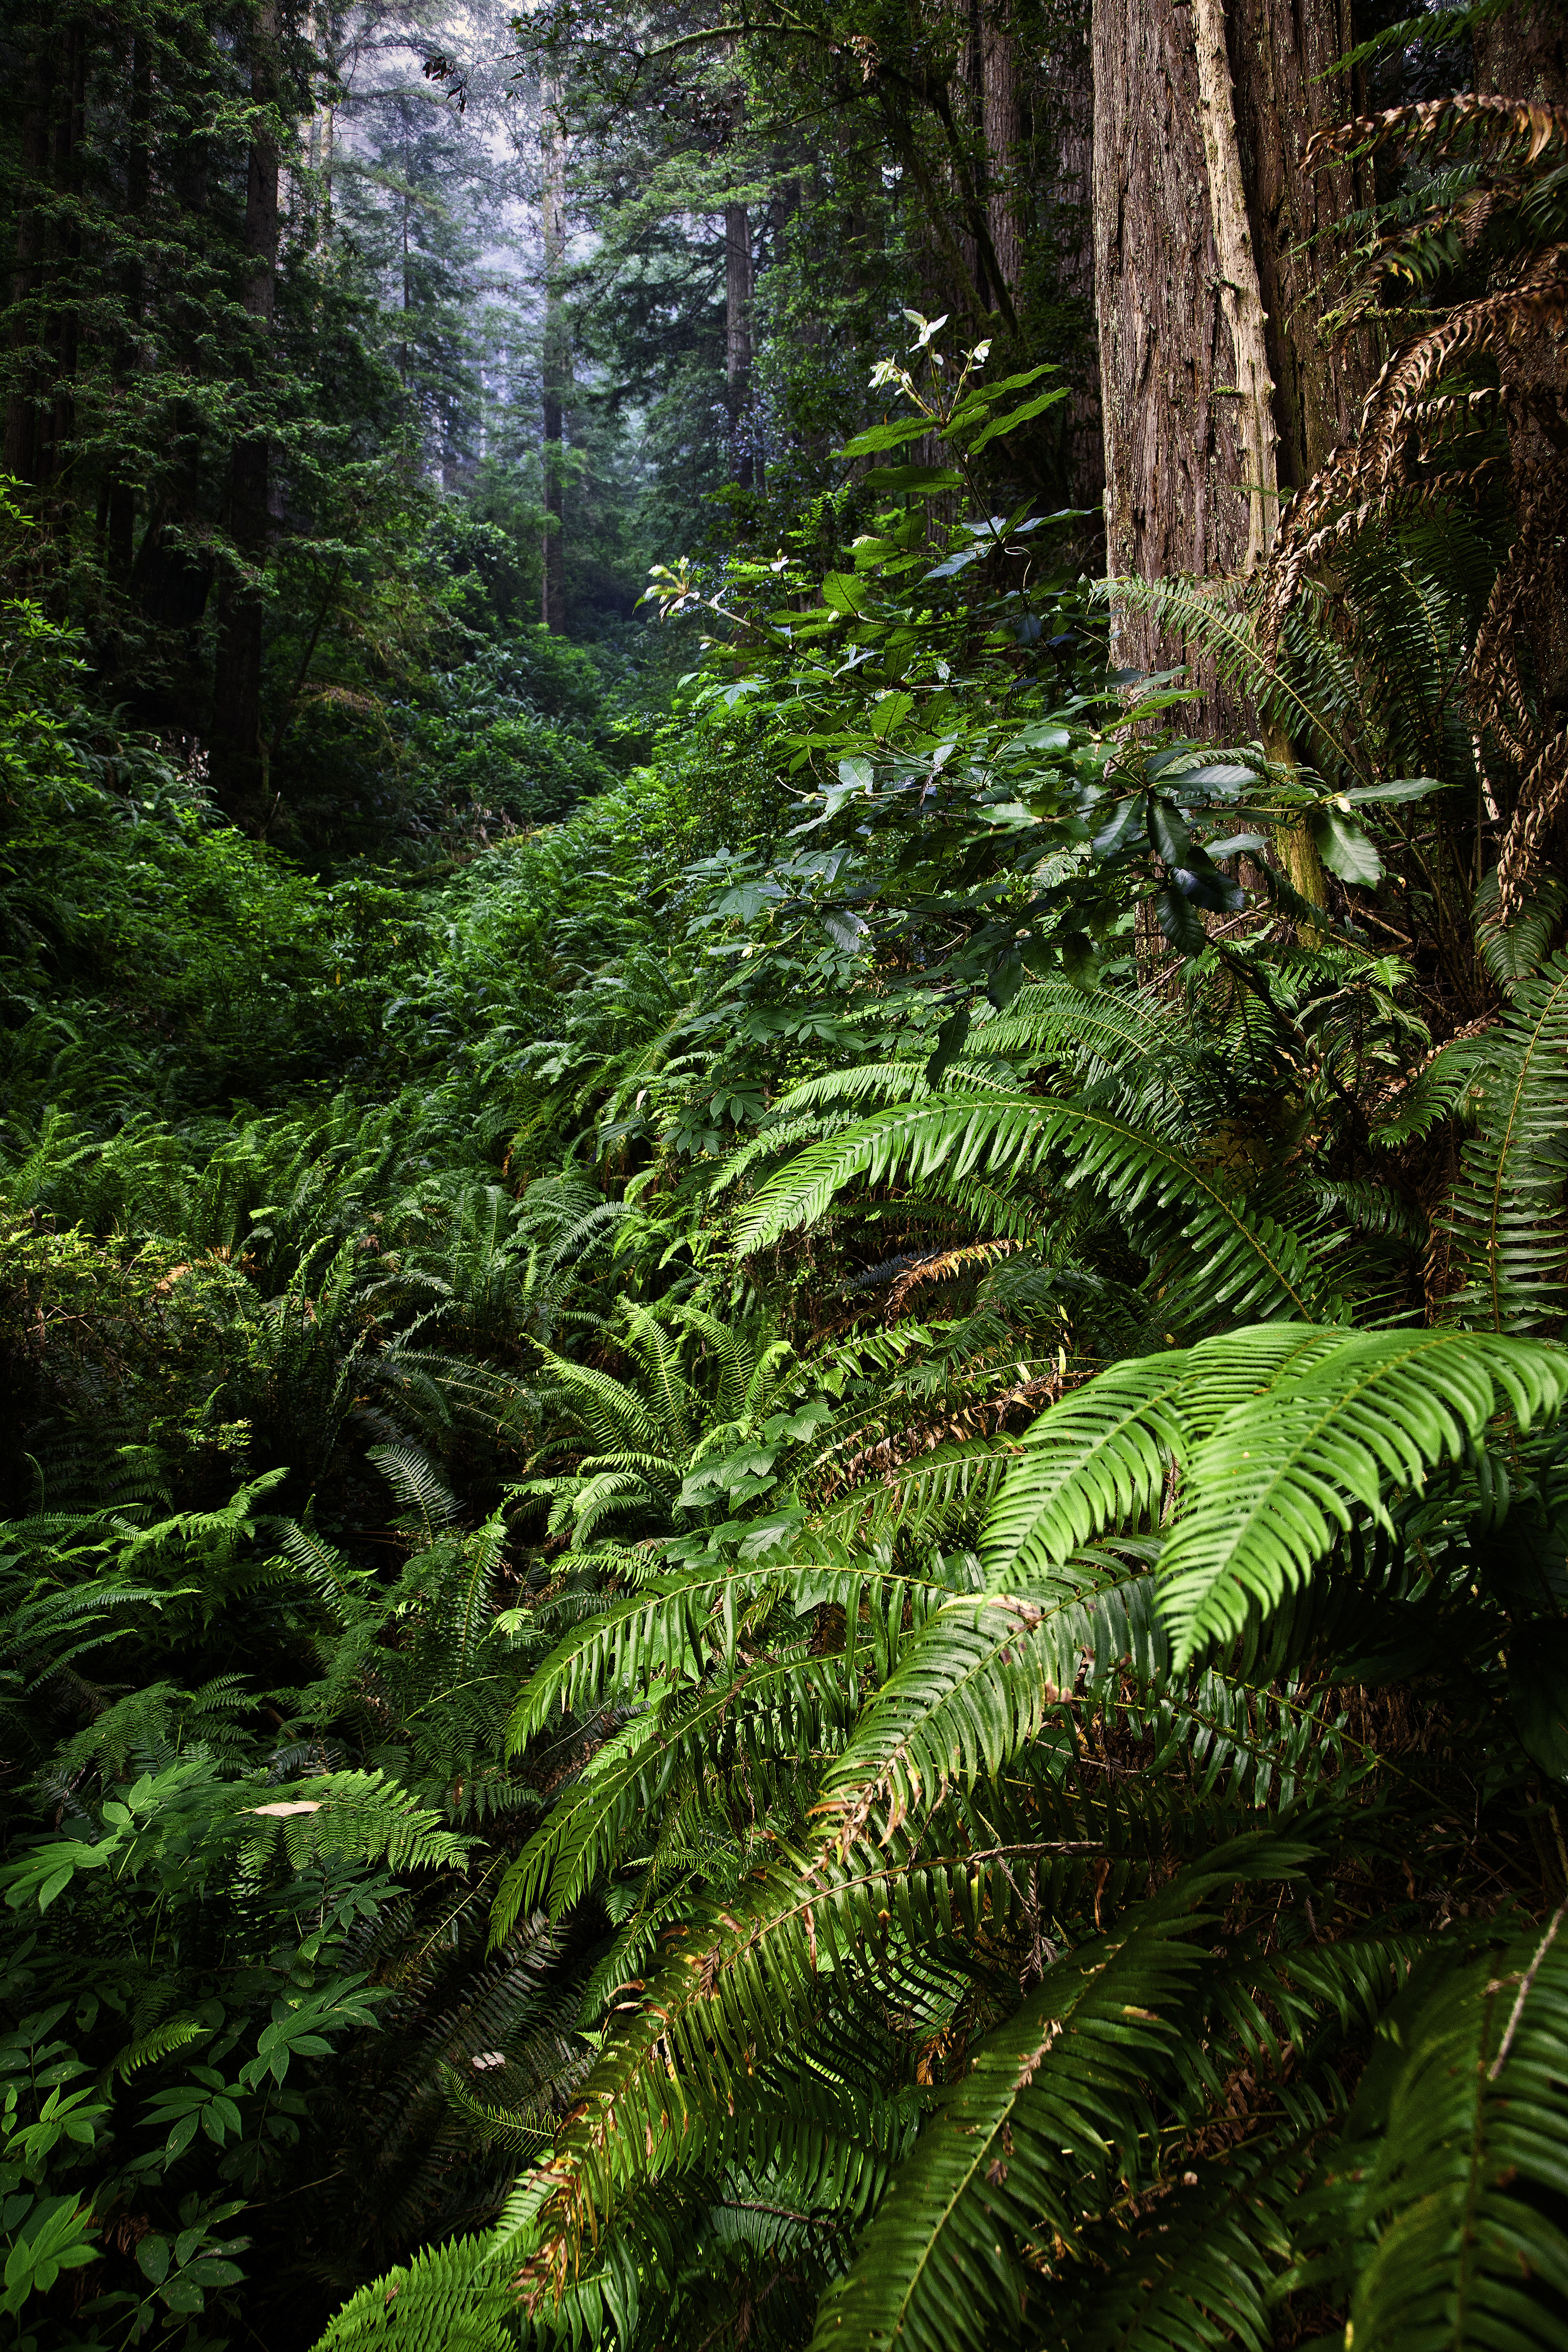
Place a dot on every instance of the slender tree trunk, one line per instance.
(1067, 220)
(63, 334)
(122, 513)
(557, 359)
(238, 759)
(1000, 95)
(738, 341)
(322, 155)
(28, 279)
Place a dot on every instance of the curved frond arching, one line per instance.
(1509, 1236)
(1044, 2115)
(1242, 1261)
(1267, 1494)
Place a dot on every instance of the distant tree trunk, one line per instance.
(239, 761)
(1067, 219)
(1000, 96)
(57, 423)
(556, 359)
(738, 341)
(121, 514)
(27, 283)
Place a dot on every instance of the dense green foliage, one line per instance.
(784, 1557)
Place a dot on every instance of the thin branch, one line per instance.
(1526, 1983)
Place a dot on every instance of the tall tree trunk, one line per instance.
(1174, 469)
(556, 358)
(1184, 238)
(1199, 196)
(121, 514)
(1000, 94)
(738, 341)
(1067, 219)
(238, 759)
(28, 279)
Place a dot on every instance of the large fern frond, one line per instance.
(1048, 2112)
(1239, 1260)
(1506, 1220)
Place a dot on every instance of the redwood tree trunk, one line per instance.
(1277, 56)
(1524, 54)
(27, 284)
(738, 341)
(556, 361)
(1173, 500)
(1217, 389)
(238, 761)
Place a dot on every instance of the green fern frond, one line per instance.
(1510, 1237)
(428, 1503)
(1456, 2157)
(977, 1683)
(1046, 2116)
(1267, 1494)
(1100, 1457)
(1241, 1261)
(175, 2033)
(363, 1815)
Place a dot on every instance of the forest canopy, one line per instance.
(784, 1176)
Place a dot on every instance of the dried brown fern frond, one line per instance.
(1490, 127)
(1394, 467)
(1499, 696)
(1535, 296)
(1542, 797)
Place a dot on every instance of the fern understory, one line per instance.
(828, 1608)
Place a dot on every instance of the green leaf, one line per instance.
(1344, 848)
(885, 436)
(153, 2255)
(844, 591)
(949, 1043)
(926, 481)
(1016, 417)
